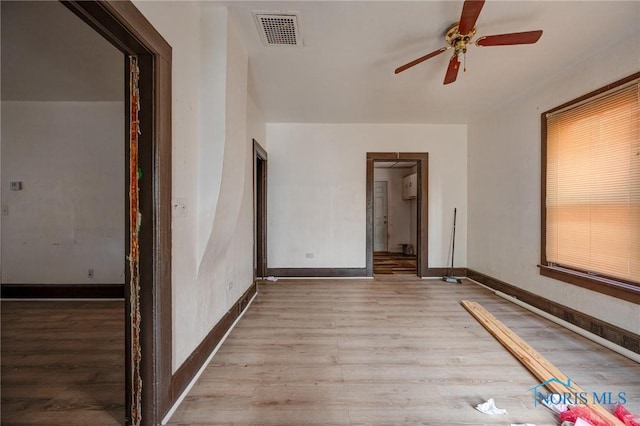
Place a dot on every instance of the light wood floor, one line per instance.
(391, 351)
(62, 363)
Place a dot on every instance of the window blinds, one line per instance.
(593, 185)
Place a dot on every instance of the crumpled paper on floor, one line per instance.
(579, 422)
(582, 422)
(556, 408)
(489, 407)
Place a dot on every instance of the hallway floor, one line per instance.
(62, 363)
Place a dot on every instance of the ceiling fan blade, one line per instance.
(527, 37)
(452, 70)
(470, 12)
(421, 59)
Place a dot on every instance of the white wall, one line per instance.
(256, 123)
(317, 189)
(70, 215)
(399, 210)
(504, 185)
(213, 125)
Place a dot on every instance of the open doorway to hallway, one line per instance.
(64, 218)
(420, 184)
(395, 212)
(148, 297)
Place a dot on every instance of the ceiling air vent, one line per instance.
(278, 28)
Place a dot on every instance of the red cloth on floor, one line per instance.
(629, 419)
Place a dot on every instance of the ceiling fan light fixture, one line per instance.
(460, 34)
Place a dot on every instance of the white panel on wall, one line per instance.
(69, 216)
(317, 184)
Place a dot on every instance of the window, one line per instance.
(591, 189)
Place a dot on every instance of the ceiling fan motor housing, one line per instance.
(458, 41)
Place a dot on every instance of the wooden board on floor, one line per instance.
(539, 366)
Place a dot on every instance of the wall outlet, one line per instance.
(230, 285)
(308, 255)
(90, 274)
(5, 210)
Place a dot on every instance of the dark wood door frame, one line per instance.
(121, 23)
(260, 210)
(422, 249)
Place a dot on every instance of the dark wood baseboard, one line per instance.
(317, 272)
(349, 272)
(613, 333)
(62, 291)
(440, 272)
(190, 367)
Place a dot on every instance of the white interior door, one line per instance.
(380, 216)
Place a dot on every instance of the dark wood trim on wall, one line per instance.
(317, 272)
(62, 291)
(188, 370)
(350, 272)
(422, 160)
(441, 272)
(121, 23)
(613, 333)
(370, 215)
(620, 290)
(260, 173)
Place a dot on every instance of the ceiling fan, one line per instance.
(459, 36)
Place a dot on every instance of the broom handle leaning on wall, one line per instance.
(453, 245)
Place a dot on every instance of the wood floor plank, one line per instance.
(62, 363)
(393, 350)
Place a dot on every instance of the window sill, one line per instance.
(628, 292)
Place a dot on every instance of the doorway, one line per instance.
(65, 228)
(260, 210)
(397, 222)
(395, 212)
(147, 287)
(148, 292)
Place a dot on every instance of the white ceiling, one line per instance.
(344, 72)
